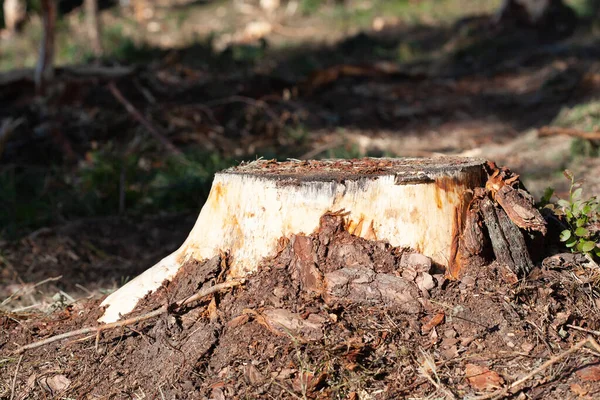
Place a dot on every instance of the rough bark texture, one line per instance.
(502, 212)
(507, 241)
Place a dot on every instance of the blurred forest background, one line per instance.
(104, 167)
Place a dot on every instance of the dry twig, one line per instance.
(142, 120)
(14, 382)
(553, 360)
(23, 287)
(579, 328)
(98, 329)
(556, 130)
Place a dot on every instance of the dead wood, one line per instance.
(557, 130)
(165, 308)
(520, 208)
(507, 240)
(141, 119)
(473, 240)
(507, 190)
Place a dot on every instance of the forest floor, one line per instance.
(90, 199)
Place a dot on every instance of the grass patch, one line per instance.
(585, 117)
(106, 184)
(410, 12)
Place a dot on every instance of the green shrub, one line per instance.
(580, 217)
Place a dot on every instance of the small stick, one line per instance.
(14, 382)
(556, 130)
(140, 118)
(553, 360)
(579, 328)
(130, 321)
(15, 294)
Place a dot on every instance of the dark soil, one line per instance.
(283, 335)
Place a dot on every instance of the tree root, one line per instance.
(98, 329)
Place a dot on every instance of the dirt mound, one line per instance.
(331, 316)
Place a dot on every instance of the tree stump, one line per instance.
(416, 203)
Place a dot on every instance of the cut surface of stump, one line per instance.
(416, 203)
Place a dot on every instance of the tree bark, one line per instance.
(416, 203)
(507, 240)
(44, 71)
(94, 27)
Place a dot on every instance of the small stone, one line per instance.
(425, 282)
(419, 262)
(450, 333)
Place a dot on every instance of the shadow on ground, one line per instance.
(77, 153)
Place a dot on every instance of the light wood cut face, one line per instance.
(416, 203)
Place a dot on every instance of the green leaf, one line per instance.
(581, 222)
(547, 195)
(582, 232)
(576, 195)
(571, 242)
(563, 203)
(565, 235)
(588, 246)
(577, 206)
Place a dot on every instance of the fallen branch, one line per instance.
(556, 130)
(579, 328)
(553, 360)
(142, 120)
(98, 329)
(14, 381)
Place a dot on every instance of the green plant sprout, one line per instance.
(580, 217)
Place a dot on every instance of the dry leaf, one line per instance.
(481, 378)
(238, 321)
(589, 374)
(55, 384)
(578, 389)
(254, 376)
(433, 322)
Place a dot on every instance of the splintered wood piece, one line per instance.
(507, 240)
(417, 203)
